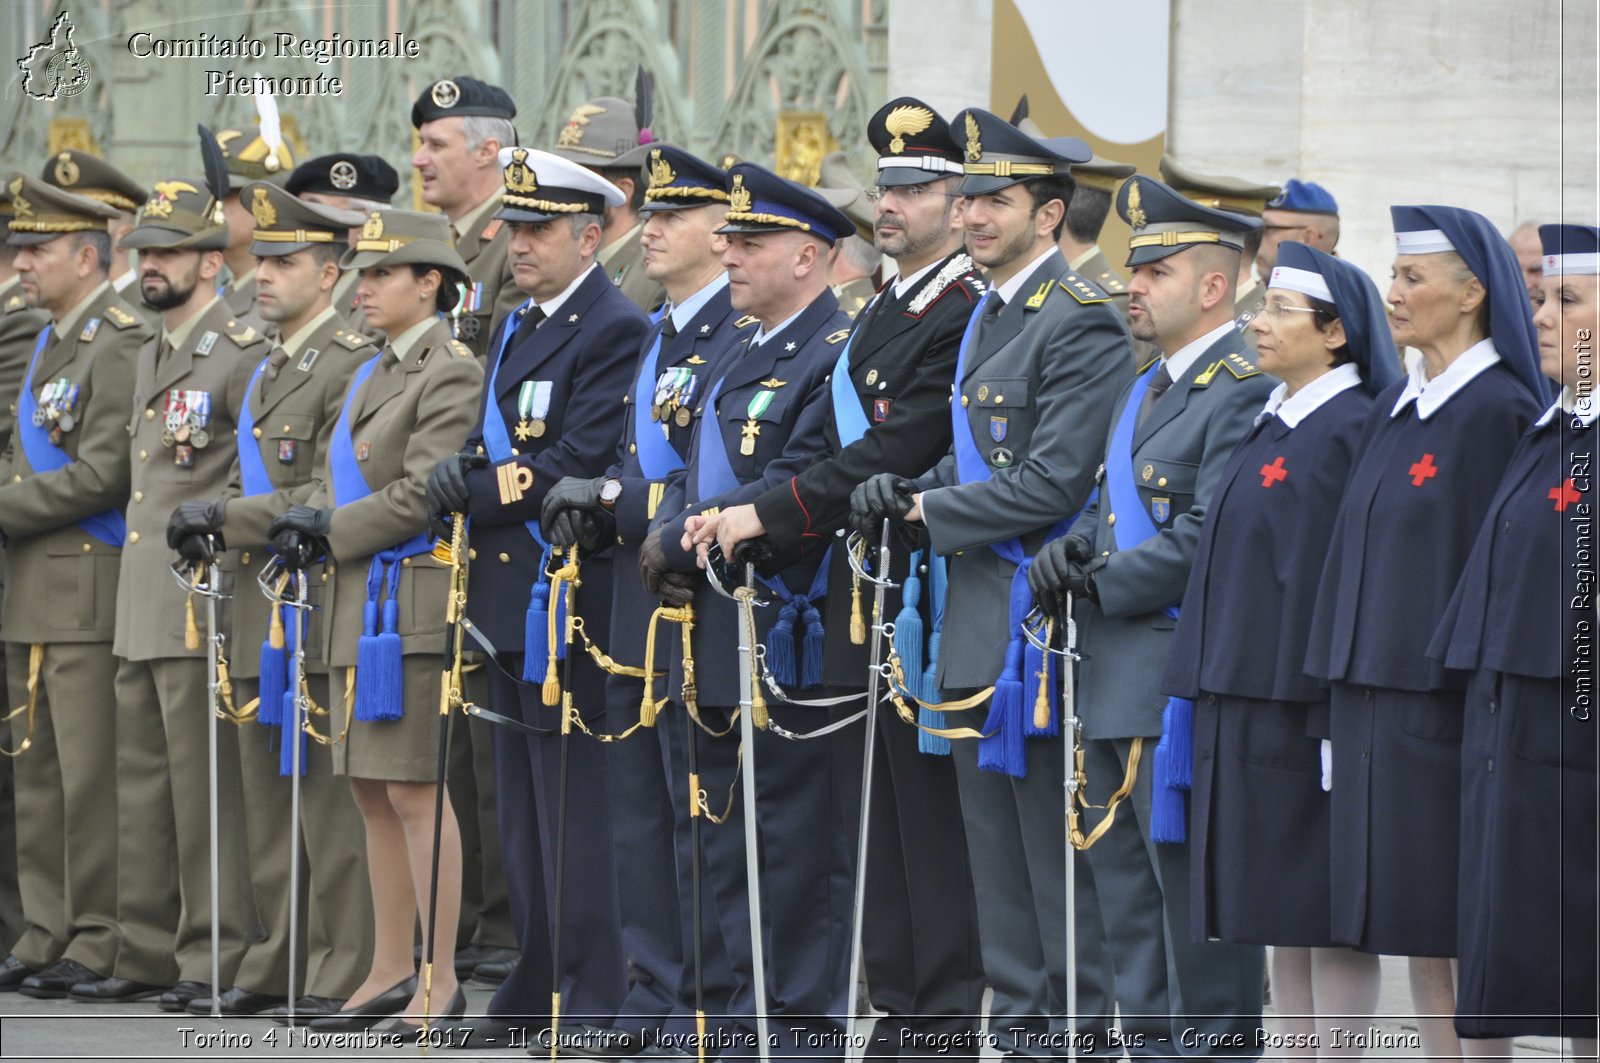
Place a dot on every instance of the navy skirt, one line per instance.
(1259, 824)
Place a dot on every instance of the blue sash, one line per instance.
(657, 459)
(1002, 749)
(379, 681)
(848, 417)
(252, 471)
(1174, 756)
(109, 525)
(497, 444)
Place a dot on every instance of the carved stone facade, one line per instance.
(728, 74)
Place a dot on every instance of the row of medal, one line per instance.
(185, 418)
(533, 408)
(56, 403)
(464, 326)
(674, 397)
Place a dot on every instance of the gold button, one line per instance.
(286, 428)
(143, 454)
(1105, 553)
(619, 540)
(86, 548)
(16, 478)
(149, 414)
(133, 537)
(405, 561)
(244, 558)
(1111, 518)
(324, 577)
(480, 449)
(505, 559)
(960, 553)
(515, 452)
(1161, 482)
(472, 553)
(998, 399)
(633, 448)
(256, 432)
(138, 496)
(964, 401)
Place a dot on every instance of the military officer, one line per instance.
(1126, 560)
(920, 942)
(249, 159)
(293, 401)
(686, 200)
(551, 409)
(1034, 384)
(855, 261)
(1304, 212)
(611, 137)
(462, 126)
(65, 479)
(188, 387)
(763, 418)
(83, 174)
(363, 183)
(1239, 197)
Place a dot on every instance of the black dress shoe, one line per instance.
(115, 990)
(404, 1030)
(178, 997)
(495, 972)
(307, 1008)
(365, 1016)
(472, 957)
(237, 1001)
(12, 972)
(57, 980)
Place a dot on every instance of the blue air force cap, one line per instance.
(679, 181)
(759, 201)
(996, 154)
(1304, 197)
(1356, 299)
(1570, 250)
(1164, 223)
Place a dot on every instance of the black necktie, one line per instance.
(530, 321)
(1158, 387)
(997, 303)
(388, 360)
(669, 328)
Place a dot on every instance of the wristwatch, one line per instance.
(610, 491)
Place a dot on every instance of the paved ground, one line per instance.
(58, 1030)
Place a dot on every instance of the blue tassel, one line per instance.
(1033, 665)
(367, 662)
(780, 646)
(536, 633)
(378, 671)
(1167, 811)
(274, 681)
(933, 745)
(908, 628)
(1003, 749)
(811, 652)
(289, 733)
(1177, 732)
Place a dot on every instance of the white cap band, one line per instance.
(1304, 281)
(1573, 265)
(1422, 242)
(933, 163)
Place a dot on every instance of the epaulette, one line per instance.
(1112, 283)
(14, 304)
(839, 337)
(747, 320)
(460, 350)
(352, 341)
(120, 318)
(1082, 290)
(1241, 367)
(246, 336)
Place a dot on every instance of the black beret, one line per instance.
(345, 174)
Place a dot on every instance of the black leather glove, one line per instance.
(885, 495)
(1047, 576)
(300, 536)
(447, 488)
(569, 512)
(677, 588)
(652, 563)
(195, 519)
(1078, 548)
(199, 548)
(1080, 578)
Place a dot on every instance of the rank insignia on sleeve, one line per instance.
(89, 330)
(120, 317)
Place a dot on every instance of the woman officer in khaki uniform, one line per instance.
(405, 410)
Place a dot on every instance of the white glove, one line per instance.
(1327, 765)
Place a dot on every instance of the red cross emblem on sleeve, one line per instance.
(1424, 470)
(1563, 496)
(1271, 474)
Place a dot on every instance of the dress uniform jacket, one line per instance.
(1041, 376)
(1522, 621)
(63, 590)
(19, 328)
(854, 295)
(241, 297)
(483, 248)
(1259, 820)
(623, 262)
(1098, 269)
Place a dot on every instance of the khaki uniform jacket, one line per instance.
(624, 267)
(19, 328)
(150, 605)
(241, 298)
(483, 249)
(855, 295)
(294, 417)
(62, 580)
(405, 420)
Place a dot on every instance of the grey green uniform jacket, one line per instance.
(63, 581)
(1178, 455)
(1041, 377)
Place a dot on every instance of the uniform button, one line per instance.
(619, 540)
(138, 496)
(960, 553)
(1211, 699)
(1491, 765)
(515, 452)
(633, 448)
(324, 577)
(405, 562)
(964, 401)
(1494, 706)
(1364, 753)
(1105, 553)
(86, 548)
(472, 553)
(143, 454)
(256, 432)
(286, 428)
(1111, 518)
(1161, 482)
(244, 559)
(16, 478)
(505, 559)
(480, 449)
(149, 414)
(133, 537)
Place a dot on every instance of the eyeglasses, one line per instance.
(1277, 310)
(911, 192)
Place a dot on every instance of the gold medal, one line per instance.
(684, 417)
(747, 442)
(167, 438)
(536, 427)
(182, 434)
(657, 412)
(524, 430)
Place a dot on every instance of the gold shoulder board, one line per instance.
(1241, 367)
(120, 318)
(838, 337)
(1082, 290)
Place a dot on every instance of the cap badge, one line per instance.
(974, 149)
(166, 194)
(265, 213)
(342, 175)
(66, 169)
(905, 122)
(520, 177)
(21, 206)
(661, 174)
(572, 133)
(373, 229)
(446, 93)
(1136, 216)
(738, 196)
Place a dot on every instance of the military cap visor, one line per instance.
(286, 224)
(759, 201)
(179, 215)
(540, 185)
(1165, 223)
(996, 154)
(87, 175)
(677, 180)
(1217, 191)
(41, 212)
(1102, 174)
(403, 238)
(461, 97)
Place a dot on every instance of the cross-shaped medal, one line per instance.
(747, 440)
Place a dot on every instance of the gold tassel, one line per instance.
(691, 693)
(858, 623)
(552, 674)
(555, 1025)
(191, 629)
(275, 636)
(35, 668)
(1041, 704)
(647, 705)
